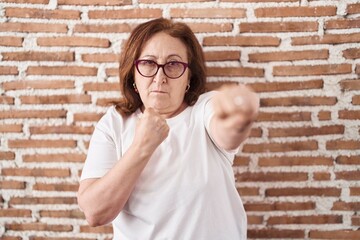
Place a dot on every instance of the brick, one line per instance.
(326, 39)
(63, 238)
(270, 177)
(8, 70)
(357, 69)
(101, 229)
(125, 14)
(6, 100)
(64, 157)
(346, 206)
(348, 160)
(11, 41)
(87, 117)
(355, 191)
(343, 145)
(100, 57)
(348, 175)
(38, 56)
(306, 131)
(28, 1)
(269, 27)
(74, 42)
(66, 187)
(16, 213)
(261, 41)
(289, 55)
(208, 12)
(7, 155)
(4, 237)
(38, 84)
(33, 27)
(210, 27)
(353, 8)
(62, 129)
(258, 1)
(281, 147)
(324, 115)
(351, 53)
(75, 214)
(222, 55)
(103, 28)
(294, 161)
(28, 114)
(279, 206)
(356, 100)
(32, 143)
(319, 219)
(342, 24)
(41, 13)
(112, 72)
(295, 12)
(248, 191)
(256, 132)
(38, 227)
(335, 234)
(275, 233)
(322, 192)
(322, 176)
(171, 1)
(355, 220)
(101, 86)
(42, 200)
(60, 70)
(349, 114)
(286, 86)
(255, 220)
(6, 128)
(38, 172)
(284, 116)
(95, 2)
(306, 70)
(103, 102)
(298, 101)
(235, 71)
(9, 184)
(56, 99)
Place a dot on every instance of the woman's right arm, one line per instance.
(102, 199)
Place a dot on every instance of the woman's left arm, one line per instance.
(235, 109)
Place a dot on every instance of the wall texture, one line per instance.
(298, 174)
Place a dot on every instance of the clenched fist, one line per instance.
(151, 130)
(236, 106)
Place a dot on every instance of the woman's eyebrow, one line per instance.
(169, 56)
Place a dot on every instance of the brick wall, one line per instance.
(298, 173)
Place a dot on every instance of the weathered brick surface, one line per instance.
(297, 174)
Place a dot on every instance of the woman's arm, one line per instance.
(102, 199)
(235, 109)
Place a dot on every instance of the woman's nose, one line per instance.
(160, 76)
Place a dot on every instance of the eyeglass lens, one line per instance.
(149, 68)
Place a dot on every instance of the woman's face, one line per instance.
(164, 94)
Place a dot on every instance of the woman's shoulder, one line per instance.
(113, 117)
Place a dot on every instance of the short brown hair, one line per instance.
(132, 49)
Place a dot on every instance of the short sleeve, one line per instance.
(102, 154)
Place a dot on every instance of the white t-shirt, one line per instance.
(187, 189)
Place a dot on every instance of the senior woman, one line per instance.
(159, 164)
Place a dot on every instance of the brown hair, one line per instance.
(131, 101)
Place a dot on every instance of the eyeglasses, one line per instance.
(149, 68)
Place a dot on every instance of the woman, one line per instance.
(159, 164)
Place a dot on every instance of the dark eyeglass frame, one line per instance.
(136, 63)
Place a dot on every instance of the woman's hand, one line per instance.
(151, 130)
(235, 109)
